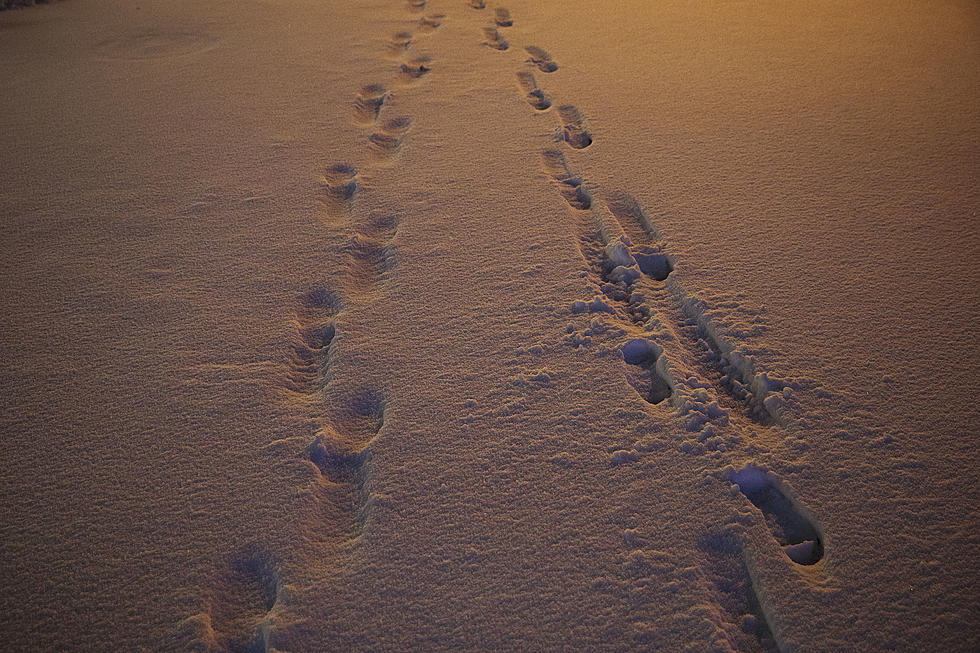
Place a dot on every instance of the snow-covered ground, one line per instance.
(390, 325)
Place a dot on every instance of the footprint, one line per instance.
(371, 254)
(478, 4)
(314, 331)
(338, 189)
(571, 187)
(342, 454)
(415, 68)
(399, 43)
(431, 22)
(502, 17)
(241, 599)
(650, 258)
(651, 384)
(494, 39)
(798, 536)
(541, 59)
(367, 104)
(573, 130)
(735, 593)
(534, 95)
(416, 5)
(387, 140)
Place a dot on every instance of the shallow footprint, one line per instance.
(242, 597)
(367, 104)
(540, 58)
(431, 22)
(314, 332)
(339, 187)
(478, 4)
(502, 17)
(494, 39)
(415, 68)
(532, 93)
(387, 140)
(399, 43)
(573, 129)
(798, 536)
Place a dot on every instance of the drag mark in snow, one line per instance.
(573, 130)
(540, 58)
(534, 95)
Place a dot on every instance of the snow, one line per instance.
(329, 327)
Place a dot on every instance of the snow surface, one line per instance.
(405, 325)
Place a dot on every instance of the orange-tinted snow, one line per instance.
(461, 325)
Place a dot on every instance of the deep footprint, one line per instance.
(650, 384)
(540, 58)
(573, 129)
(571, 187)
(532, 93)
(493, 39)
(650, 258)
(799, 537)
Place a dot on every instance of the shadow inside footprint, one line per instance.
(652, 386)
(799, 538)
